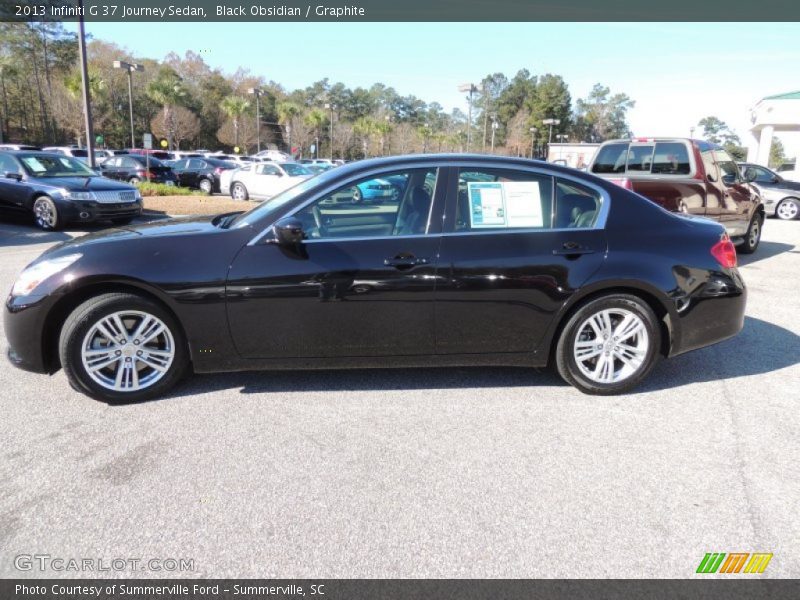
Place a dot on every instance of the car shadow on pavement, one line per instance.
(768, 348)
(764, 251)
(23, 232)
(761, 347)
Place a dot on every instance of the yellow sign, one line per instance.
(236, 149)
(164, 143)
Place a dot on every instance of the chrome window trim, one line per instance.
(600, 223)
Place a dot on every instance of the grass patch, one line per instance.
(148, 189)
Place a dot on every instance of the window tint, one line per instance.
(196, 163)
(394, 203)
(727, 167)
(671, 158)
(263, 169)
(180, 164)
(130, 163)
(503, 199)
(576, 206)
(7, 165)
(640, 158)
(611, 159)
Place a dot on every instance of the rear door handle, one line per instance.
(573, 248)
(405, 262)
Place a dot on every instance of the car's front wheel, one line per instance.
(239, 192)
(788, 209)
(609, 345)
(753, 235)
(46, 214)
(122, 348)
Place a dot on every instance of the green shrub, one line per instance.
(160, 189)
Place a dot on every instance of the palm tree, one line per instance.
(366, 127)
(287, 113)
(235, 107)
(316, 118)
(168, 91)
(74, 86)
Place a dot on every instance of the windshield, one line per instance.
(295, 170)
(275, 204)
(40, 165)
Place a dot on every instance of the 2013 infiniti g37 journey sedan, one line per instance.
(479, 260)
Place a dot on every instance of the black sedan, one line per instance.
(134, 168)
(482, 261)
(59, 189)
(201, 173)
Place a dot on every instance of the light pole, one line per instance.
(87, 100)
(130, 68)
(495, 125)
(551, 122)
(257, 92)
(470, 89)
(691, 132)
(533, 138)
(561, 137)
(331, 107)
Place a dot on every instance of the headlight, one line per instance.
(72, 195)
(31, 277)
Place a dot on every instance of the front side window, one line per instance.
(396, 203)
(503, 199)
(762, 175)
(727, 167)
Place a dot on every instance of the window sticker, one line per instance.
(505, 204)
(34, 165)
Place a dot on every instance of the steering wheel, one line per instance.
(317, 213)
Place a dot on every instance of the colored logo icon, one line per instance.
(734, 562)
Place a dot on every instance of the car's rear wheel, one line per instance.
(609, 345)
(788, 209)
(46, 214)
(358, 195)
(122, 348)
(239, 192)
(753, 236)
(205, 186)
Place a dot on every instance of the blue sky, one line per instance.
(676, 72)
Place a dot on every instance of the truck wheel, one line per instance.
(788, 209)
(753, 235)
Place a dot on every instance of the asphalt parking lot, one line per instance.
(420, 473)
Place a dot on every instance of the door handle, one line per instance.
(573, 249)
(405, 262)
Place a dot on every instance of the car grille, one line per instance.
(115, 197)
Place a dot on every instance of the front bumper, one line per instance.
(89, 211)
(24, 321)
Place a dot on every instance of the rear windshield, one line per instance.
(661, 158)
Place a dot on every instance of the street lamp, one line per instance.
(533, 138)
(470, 89)
(331, 107)
(130, 68)
(495, 125)
(551, 122)
(257, 92)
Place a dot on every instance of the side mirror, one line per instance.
(288, 232)
(711, 178)
(15, 176)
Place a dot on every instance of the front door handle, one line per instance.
(405, 261)
(573, 249)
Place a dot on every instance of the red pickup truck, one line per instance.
(689, 176)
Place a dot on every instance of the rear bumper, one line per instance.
(713, 315)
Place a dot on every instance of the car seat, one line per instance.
(575, 210)
(416, 217)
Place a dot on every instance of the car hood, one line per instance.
(94, 184)
(175, 227)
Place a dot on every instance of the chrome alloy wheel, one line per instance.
(45, 213)
(128, 351)
(611, 345)
(755, 233)
(787, 210)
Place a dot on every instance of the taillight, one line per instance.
(725, 252)
(218, 170)
(622, 182)
(149, 175)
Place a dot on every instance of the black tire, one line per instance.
(134, 180)
(244, 194)
(358, 196)
(122, 221)
(85, 316)
(206, 186)
(567, 365)
(753, 236)
(46, 214)
(788, 209)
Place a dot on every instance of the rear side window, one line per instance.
(611, 159)
(576, 206)
(503, 199)
(671, 158)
